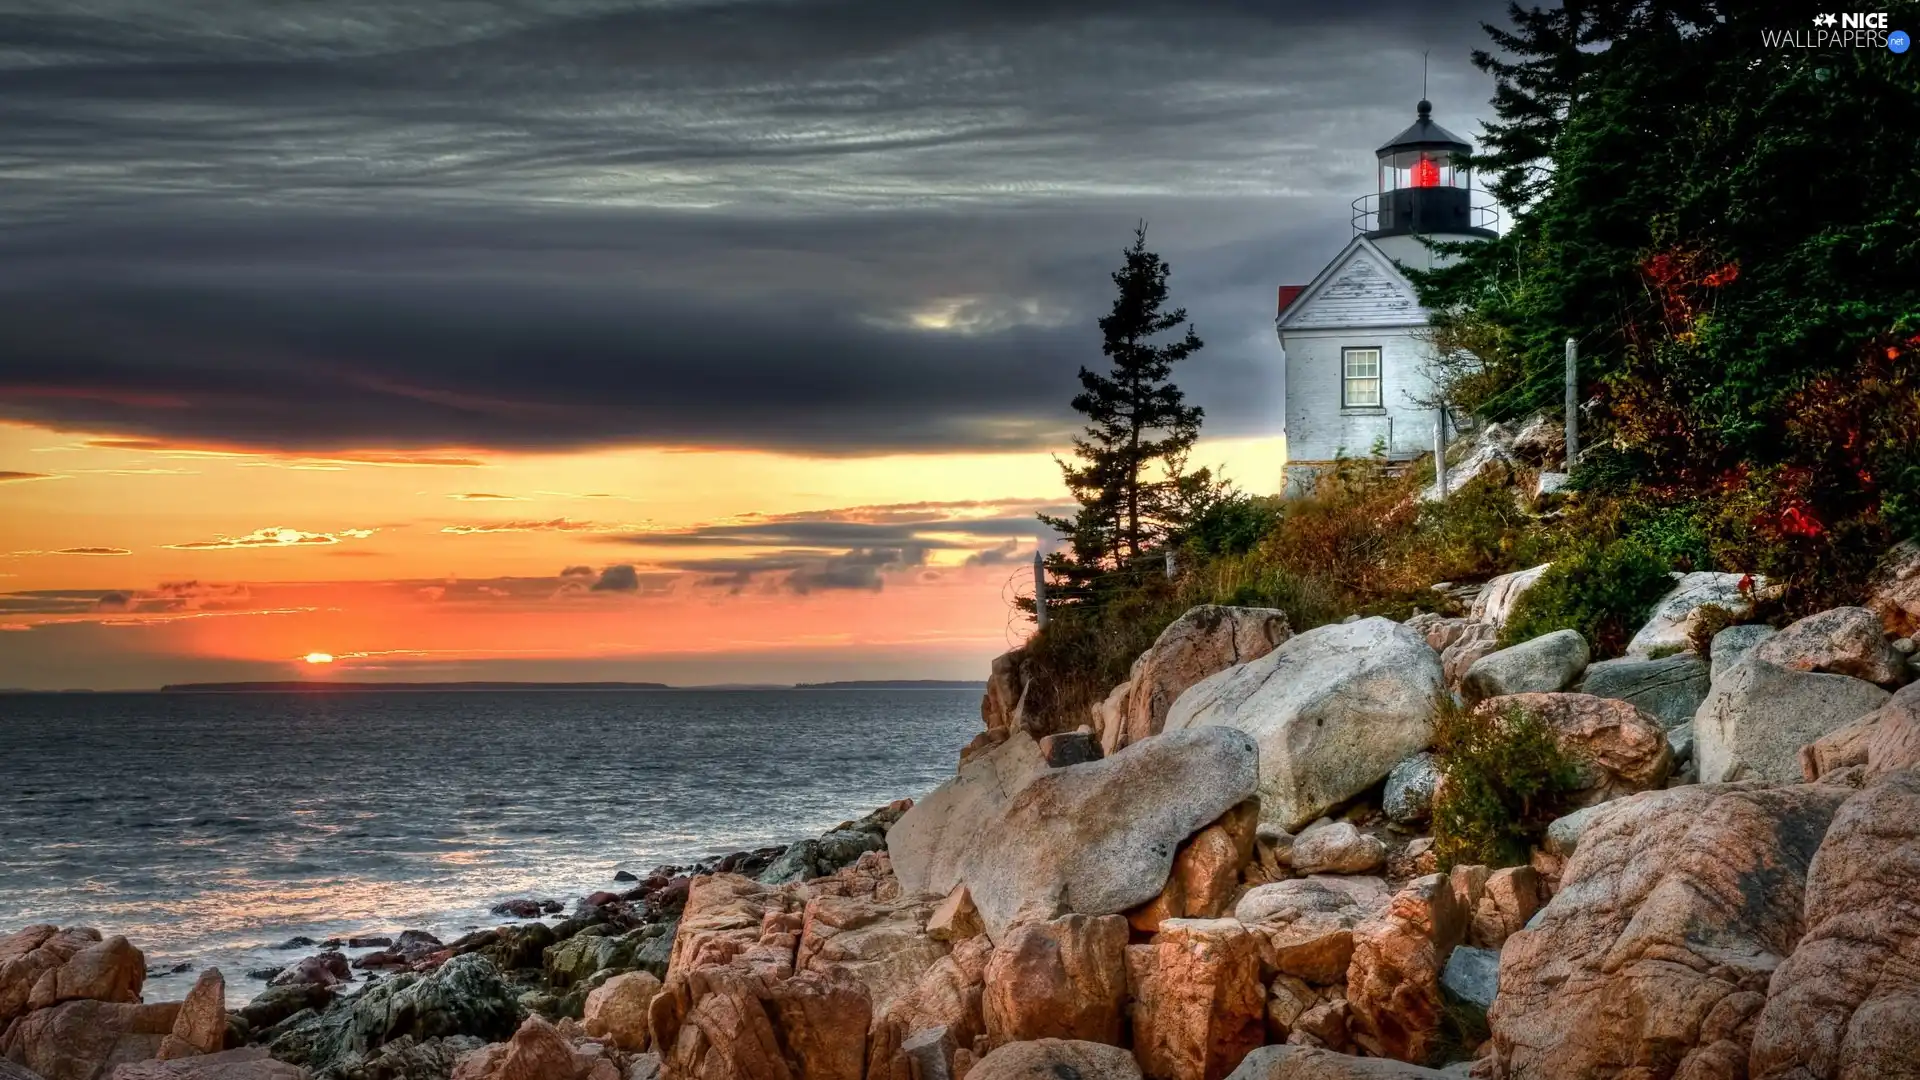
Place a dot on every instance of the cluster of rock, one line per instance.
(1220, 877)
(70, 1009)
(412, 1009)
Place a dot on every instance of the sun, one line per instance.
(319, 658)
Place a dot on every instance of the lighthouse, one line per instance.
(1352, 341)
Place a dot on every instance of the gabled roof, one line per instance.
(1288, 293)
(1358, 247)
(1424, 135)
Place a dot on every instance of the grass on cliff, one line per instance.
(1362, 543)
(1503, 780)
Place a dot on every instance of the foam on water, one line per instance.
(208, 828)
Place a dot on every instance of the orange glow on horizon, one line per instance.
(233, 563)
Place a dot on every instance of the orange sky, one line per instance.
(127, 564)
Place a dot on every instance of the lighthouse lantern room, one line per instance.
(1423, 189)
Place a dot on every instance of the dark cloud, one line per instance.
(577, 572)
(996, 555)
(621, 578)
(175, 596)
(808, 572)
(837, 226)
(10, 477)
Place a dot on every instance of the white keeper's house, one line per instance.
(1352, 338)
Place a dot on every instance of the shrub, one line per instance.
(1230, 525)
(1503, 778)
(1708, 622)
(1676, 535)
(1605, 591)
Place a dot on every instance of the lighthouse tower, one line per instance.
(1352, 340)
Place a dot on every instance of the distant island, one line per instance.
(895, 684)
(299, 687)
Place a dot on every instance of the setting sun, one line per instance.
(319, 658)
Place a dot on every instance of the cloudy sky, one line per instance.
(695, 340)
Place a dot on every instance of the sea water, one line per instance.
(208, 828)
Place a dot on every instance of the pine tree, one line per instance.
(1129, 472)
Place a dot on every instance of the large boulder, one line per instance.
(729, 1022)
(1393, 982)
(1670, 626)
(723, 918)
(811, 858)
(948, 999)
(576, 960)
(1333, 710)
(539, 1051)
(1056, 1059)
(1006, 686)
(943, 1016)
(201, 1027)
(1733, 643)
(1098, 838)
(1893, 592)
(1846, 1003)
(616, 1010)
(1670, 688)
(276, 1003)
(29, 954)
(1509, 899)
(1198, 1002)
(1305, 925)
(43, 965)
(1495, 603)
(465, 996)
(111, 970)
(1311, 1063)
(1542, 665)
(1486, 453)
(1616, 748)
(1656, 952)
(928, 844)
(1759, 715)
(251, 1063)
(882, 945)
(1205, 640)
(1842, 641)
(1472, 978)
(1061, 979)
(1411, 786)
(85, 1039)
(1881, 742)
(1336, 847)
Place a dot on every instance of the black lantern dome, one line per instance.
(1424, 190)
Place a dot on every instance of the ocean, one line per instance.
(209, 827)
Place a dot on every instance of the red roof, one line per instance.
(1288, 294)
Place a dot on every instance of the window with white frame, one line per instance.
(1360, 378)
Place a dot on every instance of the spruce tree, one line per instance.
(1129, 468)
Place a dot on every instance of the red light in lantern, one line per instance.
(1426, 173)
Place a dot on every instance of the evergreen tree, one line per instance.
(1129, 470)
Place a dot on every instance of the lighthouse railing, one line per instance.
(1483, 212)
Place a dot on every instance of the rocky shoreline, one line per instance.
(1226, 871)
